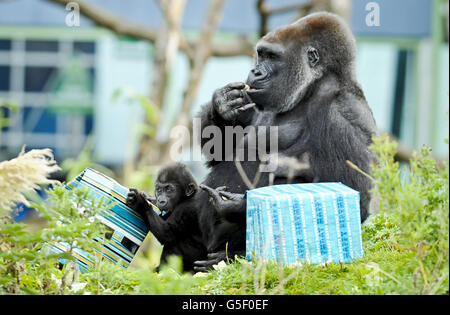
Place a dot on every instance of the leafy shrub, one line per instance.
(26, 266)
(405, 244)
(418, 207)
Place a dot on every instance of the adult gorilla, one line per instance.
(303, 82)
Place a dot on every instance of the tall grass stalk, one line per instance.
(24, 173)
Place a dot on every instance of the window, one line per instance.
(37, 77)
(4, 78)
(5, 44)
(41, 45)
(45, 74)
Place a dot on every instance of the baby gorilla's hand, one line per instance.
(136, 201)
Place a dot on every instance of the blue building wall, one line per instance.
(398, 18)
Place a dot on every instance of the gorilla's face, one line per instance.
(266, 79)
(283, 72)
(168, 195)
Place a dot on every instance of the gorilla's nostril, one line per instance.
(256, 72)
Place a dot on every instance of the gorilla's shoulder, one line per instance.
(353, 110)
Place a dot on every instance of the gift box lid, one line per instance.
(280, 191)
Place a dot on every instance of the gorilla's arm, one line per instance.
(165, 231)
(353, 124)
(232, 208)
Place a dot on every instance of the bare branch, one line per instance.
(289, 8)
(105, 19)
(405, 155)
(202, 53)
(265, 13)
(119, 26)
(170, 38)
(243, 175)
(264, 17)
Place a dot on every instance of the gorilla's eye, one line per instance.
(169, 189)
(272, 55)
(269, 55)
(266, 53)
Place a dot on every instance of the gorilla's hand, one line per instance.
(226, 204)
(215, 258)
(137, 201)
(231, 100)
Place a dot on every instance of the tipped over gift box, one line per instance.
(304, 223)
(126, 228)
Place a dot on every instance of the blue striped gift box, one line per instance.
(126, 227)
(310, 223)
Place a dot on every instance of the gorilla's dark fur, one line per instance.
(176, 228)
(303, 82)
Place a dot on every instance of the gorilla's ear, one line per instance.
(313, 57)
(191, 189)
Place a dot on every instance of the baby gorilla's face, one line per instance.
(167, 195)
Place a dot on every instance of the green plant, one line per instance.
(8, 104)
(419, 207)
(26, 264)
(74, 166)
(151, 111)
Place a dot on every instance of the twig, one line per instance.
(243, 174)
(356, 168)
(375, 267)
(265, 13)
(239, 47)
(405, 155)
(203, 52)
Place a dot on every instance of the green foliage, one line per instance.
(419, 208)
(151, 111)
(25, 264)
(405, 245)
(74, 166)
(139, 176)
(9, 104)
(27, 267)
(143, 179)
(114, 279)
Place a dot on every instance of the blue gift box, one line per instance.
(126, 228)
(309, 223)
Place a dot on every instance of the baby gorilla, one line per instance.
(176, 228)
